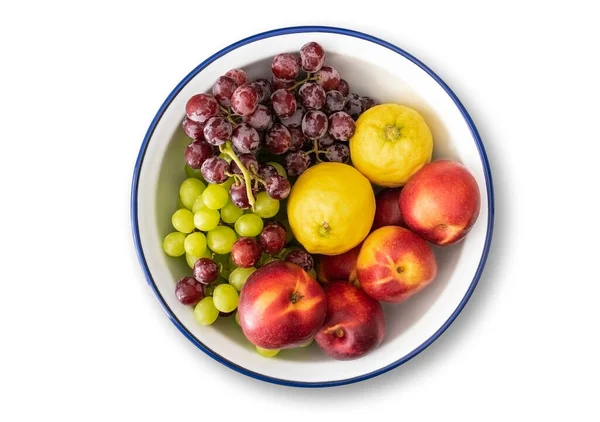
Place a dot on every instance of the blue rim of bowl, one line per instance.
(296, 30)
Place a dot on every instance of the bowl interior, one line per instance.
(372, 70)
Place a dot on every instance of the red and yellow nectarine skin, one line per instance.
(441, 202)
(338, 267)
(354, 324)
(394, 263)
(281, 306)
(387, 209)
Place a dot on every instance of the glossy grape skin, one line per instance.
(266, 170)
(206, 219)
(238, 277)
(223, 89)
(246, 252)
(205, 312)
(297, 139)
(239, 76)
(173, 244)
(343, 87)
(367, 103)
(326, 140)
(265, 206)
(225, 298)
(195, 244)
(283, 103)
(197, 153)
(206, 270)
(221, 239)
(244, 100)
(278, 187)
(341, 126)
(272, 238)
(245, 139)
(189, 291)
(230, 213)
(353, 105)
(285, 67)
(249, 225)
(314, 124)
(328, 77)
(312, 96)
(279, 84)
(248, 160)
(301, 258)
(215, 197)
(183, 221)
(278, 139)
(338, 152)
(238, 196)
(194, 130)
(295, 120)
(215, 169)
(312, 57)
(217, 130)
(296, 163)
(334, 101)
(201, 107)
(261, 119)
(189, 190)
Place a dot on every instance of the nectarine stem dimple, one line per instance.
(295, 297)
(399, 270)
(339, 332)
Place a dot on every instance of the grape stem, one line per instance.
(228, 150)
(309, 77)
(316, 150)
(229, 115)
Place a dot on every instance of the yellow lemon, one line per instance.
(390, 144)
(331, 208)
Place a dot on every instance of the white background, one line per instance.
(82, 336)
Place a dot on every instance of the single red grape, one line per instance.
(328, 77)
(338, 153)
(246, 252)
(284, 103)
(189, 291)
(295, 120)
(238, 76)
(341, 126)
(217, 130)
(201, 107)
(296, 163)
(326, 140)
(343, 87)
(312, 57)
(194, 130)
(353, 105)
(278, 187)
(245, 139)
(238, 195)
(272, 238)
(312, 96)
(297, 138)
(334, 101)
(278, 139)
(223, 90)
(301, 258)
(266, 170)
(215, 169)
(265, 89)
(197, 153)
(206, 270)
(367, 103)
(285, 67)
(261, 119)
(314, 124)
(244, 100)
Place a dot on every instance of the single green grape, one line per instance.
(279, 168)
(205, 312)
(249, 225)
(173, 244)
(230, 213)
(238, 277)
(227, 183)
(195, 173)
(215, 197)
(206, 219)
(189, 190)
(267, 353)
(195, 244)
(265, 206)
(225, 298)
(183, 221)
(208, 290)
(221, 239)
(237, 318)
(198, 204)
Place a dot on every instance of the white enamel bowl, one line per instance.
(372, 67)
